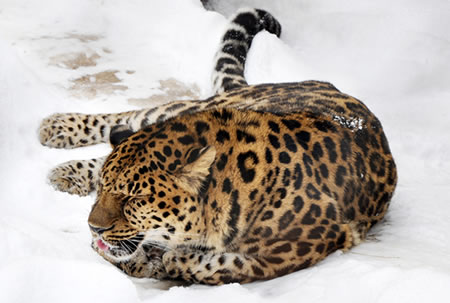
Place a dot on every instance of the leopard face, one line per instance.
(149, 196)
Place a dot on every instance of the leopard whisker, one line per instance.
(158, 245)
(126, 245)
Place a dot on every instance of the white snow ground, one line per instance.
(393, 55)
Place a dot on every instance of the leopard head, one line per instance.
(149, 194)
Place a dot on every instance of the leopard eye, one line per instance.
(124, 201)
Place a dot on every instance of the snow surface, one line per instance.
(394, 55)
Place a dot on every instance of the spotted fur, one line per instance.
(230, 59)
(251, 184)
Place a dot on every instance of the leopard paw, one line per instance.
(75, 177)
(171, 261)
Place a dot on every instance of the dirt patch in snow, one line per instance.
(172, 89)
(74, 60)
(92, 85)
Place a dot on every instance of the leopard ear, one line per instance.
(196, 170)
(119, 133)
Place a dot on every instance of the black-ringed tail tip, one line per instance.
(230, 58)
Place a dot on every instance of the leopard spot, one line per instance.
(325, 126)
(310, 217)
(285, 220)
(222, 162)
(222, 136)
(267, 232)
(331, 212)
(317, 151)
(316, 233)
(307, 161)
(201, 127)
(257, 270)
(267, 215)
(179, 127)
(186, 140)
(291, 124)
(269, 157)
(298, 204)
(274, 141)
(284, 158)
(293, 234)
(312, 192)
(341, 172)
(284, 248)
(298, 177)
(222, 260)
(303, 138)
(274, 260)
(226, 186)
(238, 263)
(290, 143)
(323, 170)
(303, 249)
(242, 135)
(331, 148)
(274, 127)
(246, 163)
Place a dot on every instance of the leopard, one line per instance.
(253, 183)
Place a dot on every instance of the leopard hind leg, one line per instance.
(72, 130)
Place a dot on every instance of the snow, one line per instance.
(353, 123)
(392, 55)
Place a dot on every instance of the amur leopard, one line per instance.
(253, 183)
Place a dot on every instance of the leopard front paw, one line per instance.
(69, 177)
(171, 261)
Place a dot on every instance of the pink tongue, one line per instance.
(102, 245)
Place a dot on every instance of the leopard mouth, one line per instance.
(122, 249)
